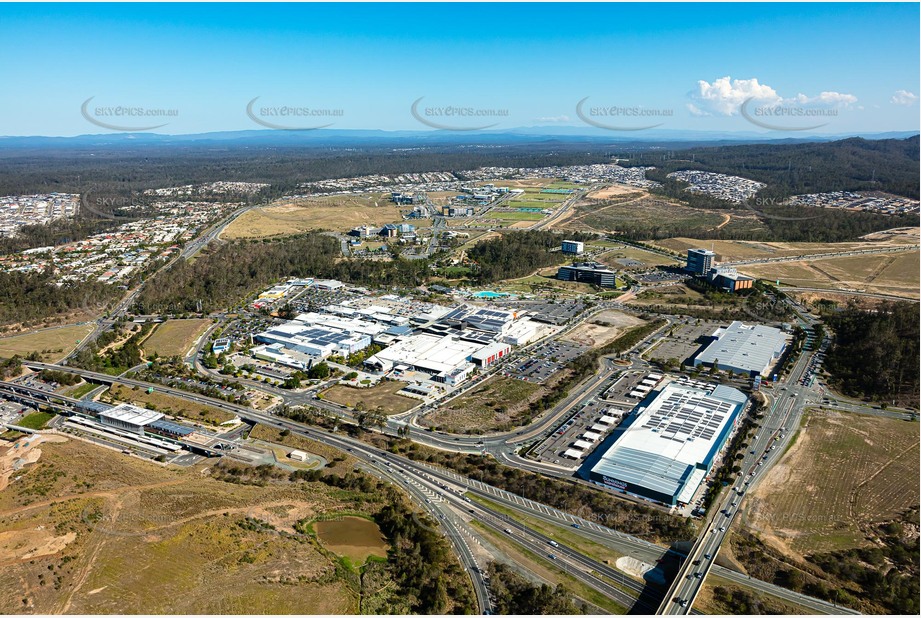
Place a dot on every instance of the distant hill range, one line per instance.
(372, 138)
(121, 163)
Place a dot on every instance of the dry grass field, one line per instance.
(196, 412)
(87, 530)
(709, 602)
(382, 395)
(643, 213)
(844, 472)
(334, 212)
(493, 405)
(633, 254)
(52, 344)
(895, 273)
(732, 250)
(174, 337)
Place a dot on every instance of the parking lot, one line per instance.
(579, 434)
(687, 338)
(620, 391)
(545, 360)
(550, 312)
(11, 412)
(660, 275)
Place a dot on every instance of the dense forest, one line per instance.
(516, 596)
(224, 275)
(853, 164)
(875, 352)
(517, 254)
(124, 169)
(28, 298)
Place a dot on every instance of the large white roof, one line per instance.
(749, 348)
(674, 435)
(127, 413)
(430, 352)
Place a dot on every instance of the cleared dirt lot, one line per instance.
(844, 472)
(602, 328)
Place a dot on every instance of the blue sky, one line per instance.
(689, 65)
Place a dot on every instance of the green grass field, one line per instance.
(36, 420)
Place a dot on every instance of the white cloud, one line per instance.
(725, 95)
(903, 97)
(563, 118)
(829, 99)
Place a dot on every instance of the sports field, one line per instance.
(332, 212)
(52, 344)
(843, 473)
(174, 337)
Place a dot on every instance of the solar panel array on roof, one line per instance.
(685, 415)
(677, 432)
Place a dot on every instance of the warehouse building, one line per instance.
(742, 348)
(667, 446)
(588, 272)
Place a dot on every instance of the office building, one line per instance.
(573, 247)
(588, 272)
(700, 261)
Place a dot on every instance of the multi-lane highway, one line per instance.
(788, 402)
(622, 542)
